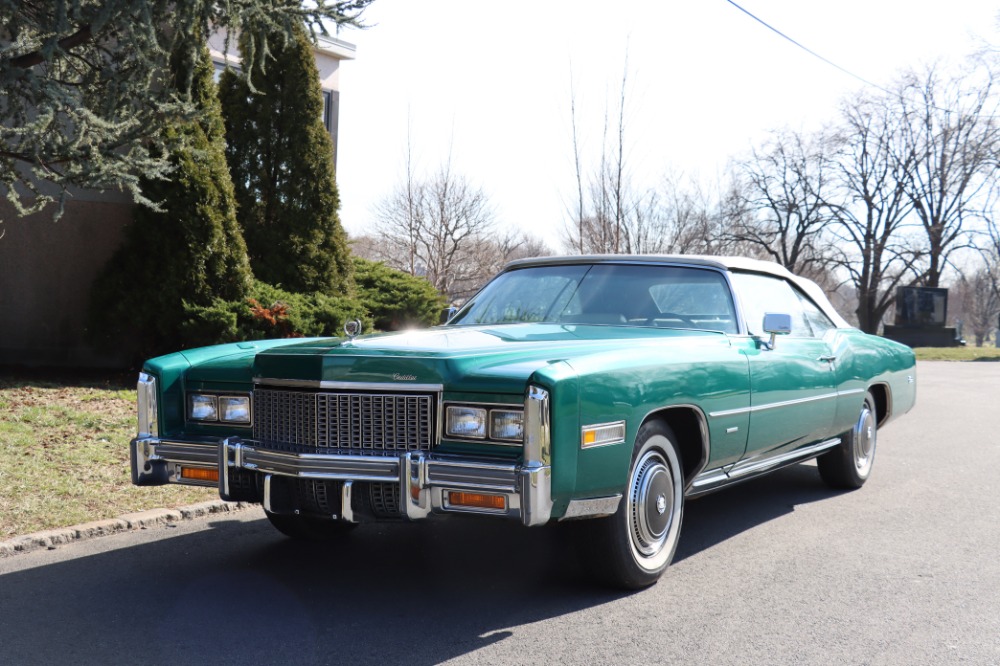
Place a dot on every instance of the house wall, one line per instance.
(46, 269)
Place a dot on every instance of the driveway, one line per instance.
(776, 571)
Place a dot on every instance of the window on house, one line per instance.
(219, 68)
(328, 110)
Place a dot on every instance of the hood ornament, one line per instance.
(353, 328)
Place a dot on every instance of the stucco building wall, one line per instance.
(46, 270)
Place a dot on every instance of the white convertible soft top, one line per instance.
(723, 263)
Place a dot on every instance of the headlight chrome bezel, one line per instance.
(490, 417)
(216, 414)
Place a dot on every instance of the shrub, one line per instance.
(396, 299)
(190, 251)
(269, 312)
(281, 158)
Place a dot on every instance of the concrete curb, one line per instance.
(49, 539)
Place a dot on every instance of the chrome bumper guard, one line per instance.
(425, 479)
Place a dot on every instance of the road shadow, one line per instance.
(712, 519)
(241, 593)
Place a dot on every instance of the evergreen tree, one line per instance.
(281, 159)
(191, 252)
(84, 95)
(396, 299)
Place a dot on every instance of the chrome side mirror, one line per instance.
(777, 324)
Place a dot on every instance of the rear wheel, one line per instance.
(633, 548)
(309, 528)
(849, 465)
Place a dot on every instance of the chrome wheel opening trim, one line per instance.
(655, 494)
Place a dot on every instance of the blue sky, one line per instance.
(491, 86)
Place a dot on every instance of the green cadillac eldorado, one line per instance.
(604, 389)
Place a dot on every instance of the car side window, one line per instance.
(760, 294)
(817, 319)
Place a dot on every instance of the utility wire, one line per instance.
(809, 50)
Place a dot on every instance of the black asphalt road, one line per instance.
(777, 571)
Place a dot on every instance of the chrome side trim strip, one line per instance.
(710, 478)
(772, 405)
(851, 391)
(754, 465)
(357, 386)
(596, 507)
(745, 470)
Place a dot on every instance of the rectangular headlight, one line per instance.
(203, 407)
(463, 421)
(507, 424)
(234, 409)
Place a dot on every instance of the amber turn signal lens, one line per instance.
(199, 474)
(478, 500)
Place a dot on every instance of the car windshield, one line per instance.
(605, 294)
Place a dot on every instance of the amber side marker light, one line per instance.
(478, 500)
(199, 474)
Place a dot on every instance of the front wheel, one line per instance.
(849, 465)
(633, 547)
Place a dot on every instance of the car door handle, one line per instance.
(828, 359)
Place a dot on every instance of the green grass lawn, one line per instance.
(64, 456)
(957, 353)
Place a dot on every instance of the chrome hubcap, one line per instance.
(651, 500)
(865, 435)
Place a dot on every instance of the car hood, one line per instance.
(481, 358)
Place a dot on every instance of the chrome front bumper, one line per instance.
(426, 479)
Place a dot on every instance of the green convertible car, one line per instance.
(603, 389)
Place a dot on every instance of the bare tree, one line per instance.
(871, 206)
(489, 254)
(951, 127)
(979, 302)
(443, 228)
(399, 217)
(578, 214)
(428, 226)
(785, 190)
(611, 215)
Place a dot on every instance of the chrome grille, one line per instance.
(375, 422)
